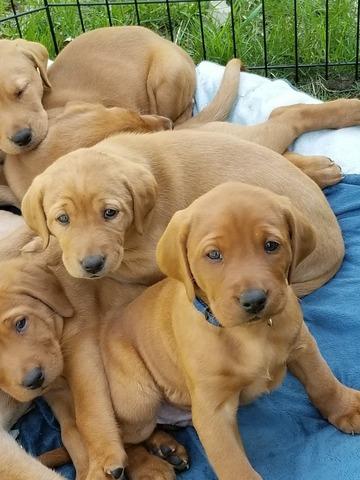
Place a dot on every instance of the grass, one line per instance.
(185, 20)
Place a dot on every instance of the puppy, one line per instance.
(81, 124)
(223, 326)
(15, 463)
(49, 330)
(109, 204)
(148, 74)
(76, 125)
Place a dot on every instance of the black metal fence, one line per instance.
(270, 35)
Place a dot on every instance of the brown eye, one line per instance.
(110, 213)
(21, 325)
(19, 93)
(215, 255)
(271, 246)
(63, 219)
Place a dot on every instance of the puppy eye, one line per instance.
(21, 325)
(63, 219)
(215, 255)
(110, 213)
(271, 246)
(19, 93)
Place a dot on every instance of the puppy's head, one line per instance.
(90, 200)
(237, 246)
(32, 308)
(23, 120)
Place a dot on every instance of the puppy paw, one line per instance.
(322, 170)
(166, 447)
(143, 466)
(117, 473)
(347, 417)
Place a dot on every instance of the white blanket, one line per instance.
(258, 96)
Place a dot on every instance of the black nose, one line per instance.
(253, 300)
(93, 263)
(34, 379)
(22, 137)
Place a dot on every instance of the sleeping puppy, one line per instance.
(77, 125)
(148, 74)
(82, 124)
(49, 330)
(223, 326)
(109, 204)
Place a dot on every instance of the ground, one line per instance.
(187, 30)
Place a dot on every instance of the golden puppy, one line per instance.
(81, 124)
(49, 330)
(77, 125)
(228, 257)
(23, 119)
(148, 74)
(109, 204)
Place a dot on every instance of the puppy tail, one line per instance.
(220, 107)
(55, 458)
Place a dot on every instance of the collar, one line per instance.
(203, 308)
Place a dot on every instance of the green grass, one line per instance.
(248, 30)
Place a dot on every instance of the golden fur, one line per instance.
(61, 337)
(83, 124)
(144, 179)
(148, 74)
(161, 348)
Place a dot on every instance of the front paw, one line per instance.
(347, 415)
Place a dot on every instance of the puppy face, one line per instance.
(90, 212)
(32, 308)
(236, 246)
(23, 120)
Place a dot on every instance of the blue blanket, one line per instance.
(283, 434)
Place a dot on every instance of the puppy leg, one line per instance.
(212, 412)
(143, 466)
(163, 445)
(94, 412)
(336, 402)
(285, 124)
(322, 170)
(61, 403)
(162, 83)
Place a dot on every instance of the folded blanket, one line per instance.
(258, 96)
(283, 434)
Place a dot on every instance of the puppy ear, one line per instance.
(40, 283)
(143, 190)
(302, 237)
(157, 123)
(172, 254)
(38, 54)
(33, 211)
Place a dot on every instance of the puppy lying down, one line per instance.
(223, 327)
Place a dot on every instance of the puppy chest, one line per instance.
(261, 367)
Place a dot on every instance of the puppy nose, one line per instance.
(93, 263)
(22, 137)
(34, 379)
(253, 300)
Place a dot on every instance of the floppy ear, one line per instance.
(40, 283)
(143, 190)
(38, 54)
(302, 237)
(172, 254)
(33, 211)
(157, 123)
